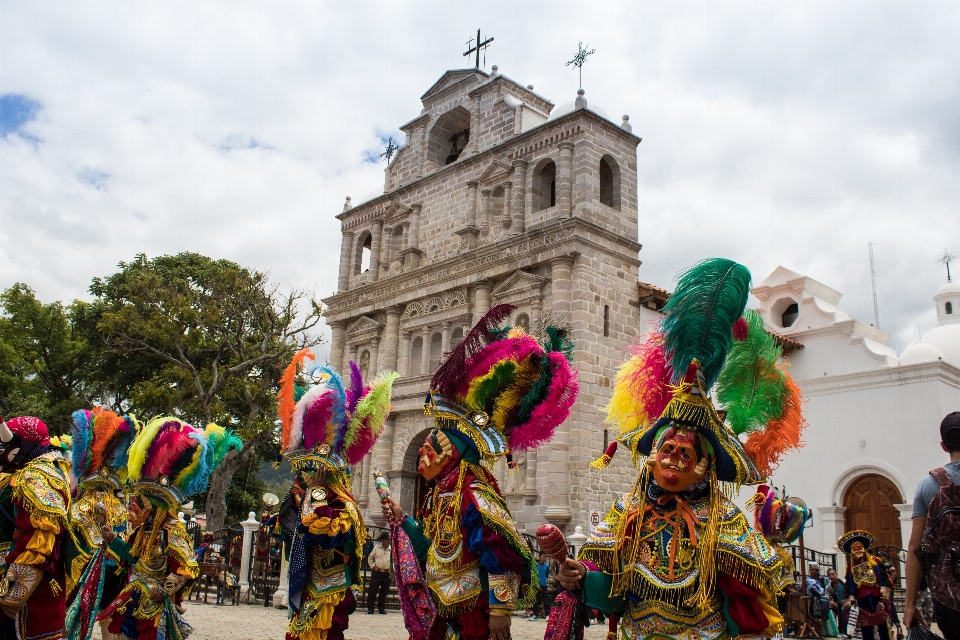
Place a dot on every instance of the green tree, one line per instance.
(219, 336)
(44, 356)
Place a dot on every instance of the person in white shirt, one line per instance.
(379, 563)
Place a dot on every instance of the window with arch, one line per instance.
(361, 260)
(606, 321)
(523, 321)
(416, 356)
(365, 364)
(456, 337)
(610, 182)
(436, 351)
(449, 137)
(948, 308)
(544, 185)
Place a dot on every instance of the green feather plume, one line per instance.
(700, 313)
(221, 441)
(751, 386)
(484, 395)
(373, 407)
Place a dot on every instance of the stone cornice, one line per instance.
(571, 233)
(515, 148)
(881, 378)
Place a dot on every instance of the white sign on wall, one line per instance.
(595, 519)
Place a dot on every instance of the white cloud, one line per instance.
(774, 132)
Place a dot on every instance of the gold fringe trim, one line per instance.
(602, 462)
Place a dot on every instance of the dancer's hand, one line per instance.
(499, 627)
(106, 532)
(571, 573)
(156, 594)
(391, 510)
(912, 615)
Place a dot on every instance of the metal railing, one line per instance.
(825, 560)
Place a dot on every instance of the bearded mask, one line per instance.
(139, 510)
(436, 454)
(858, 552)
(680, 460)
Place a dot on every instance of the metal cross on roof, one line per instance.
(579, 59)
(481, 45)
(946, 259)
(389, 150)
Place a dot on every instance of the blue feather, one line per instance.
(82, 439)
(199, 477)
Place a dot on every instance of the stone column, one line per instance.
(376, 237)
(422, 137)
(250, 527)
(351, 354)
(374, 355)
(405, 236)
(530, 484)
(336, 345)
(535, 310)
(445, 339)
(346, 246)
(481, 298)
(391, 338)
(833, 526)
(386, 246)
(383, 458)
(906, 527)
(415, 225)
(472, 203)
(519, 181)
(363, 493)
(425, 352)
(558, 453)
(405, 355)
(485, 211)
(475, 140)
(565, 179)
(505, 219)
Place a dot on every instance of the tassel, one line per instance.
(54, 587)
(612, 620)
(603, 461)
(741, 331)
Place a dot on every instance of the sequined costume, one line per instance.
(865, 580)
(675, 558)
(498, 391)
(168, 461)
(101, 440)
(326, 429)
(32, 591)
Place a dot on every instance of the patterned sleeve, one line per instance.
(180, 553)
(41, 497)
(600, 546)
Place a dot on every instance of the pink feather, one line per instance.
(362, 444)
(554, 409)
(651, 379)
(174, 443)
(480, 363)
(315, 420)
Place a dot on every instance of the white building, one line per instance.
(873, 417)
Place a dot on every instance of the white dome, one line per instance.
(568, 107)
(945, 338)
(918, 353)
(948, 288)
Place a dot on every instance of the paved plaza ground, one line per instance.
(247, 622)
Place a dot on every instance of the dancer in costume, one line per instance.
(865, 578)
(326, 429)
(169, 460)
(675, 557)
(101, 440)
(497, 391)
(35, 500)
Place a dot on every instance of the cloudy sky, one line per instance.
(788, 133)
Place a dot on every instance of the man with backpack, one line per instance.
(935, 540)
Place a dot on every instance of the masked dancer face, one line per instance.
(676, 464)
(435, 455)
(858, 552)
(139, 511)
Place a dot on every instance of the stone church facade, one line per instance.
(495, 196)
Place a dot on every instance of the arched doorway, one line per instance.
(411, 501)
(869, 504)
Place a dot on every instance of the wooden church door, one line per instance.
(869, 502)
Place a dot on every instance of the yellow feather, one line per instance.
(141, 445)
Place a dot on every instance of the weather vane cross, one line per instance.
(580, 59)
(481, 46)
(946, 259)
(389, 150)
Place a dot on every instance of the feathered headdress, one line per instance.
(779, 520)
(171, 460)
(706, 339)
(326, 423)
(504, 389)
(101, 440)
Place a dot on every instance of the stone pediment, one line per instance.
(450, 78)
(520, 284)
(497, 172)
(363, 325)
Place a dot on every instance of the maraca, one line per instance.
(552, 542)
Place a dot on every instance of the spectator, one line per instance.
(837, 592)
(543, 601)
(814, 584)
(380, 564)
(948, 618)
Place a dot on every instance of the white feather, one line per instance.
(296, 429)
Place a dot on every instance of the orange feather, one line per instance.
(766, 447)
(285, 401)
(106, 424)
